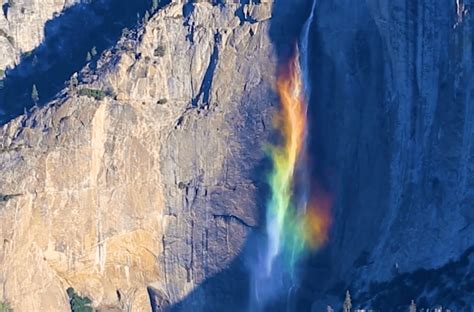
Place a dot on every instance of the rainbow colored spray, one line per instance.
(296, 222)
(298, 210)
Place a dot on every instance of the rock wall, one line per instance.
(393, 125)
(429, 83)
(22, 26)
(151, 189)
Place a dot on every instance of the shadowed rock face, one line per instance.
(450, 286)
(393, 129)
(22, 26)
(65, 42)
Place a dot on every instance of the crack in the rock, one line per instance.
(203, 95)
(228, 217)
(7, 197)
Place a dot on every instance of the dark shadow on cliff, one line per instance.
(288, 18)
(229, 290)
(351, 129)
(448, 286)
(89, 27)
(347, 158)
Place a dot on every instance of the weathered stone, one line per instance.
(101, 208)
(22, 27)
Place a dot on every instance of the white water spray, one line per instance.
(269, 274)
(303, 172)
(304, 47)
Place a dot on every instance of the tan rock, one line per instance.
(119, 195)
(22, 29)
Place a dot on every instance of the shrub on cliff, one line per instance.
(162, 101)
(93, 93)
(5, 307)
(154, 6)
(159, 51)
(78, 303)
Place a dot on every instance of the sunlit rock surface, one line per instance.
(22, 26)
(152, 188)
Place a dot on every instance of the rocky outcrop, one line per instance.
(151, 188)
(22, 26)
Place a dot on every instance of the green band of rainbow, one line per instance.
(293, 226)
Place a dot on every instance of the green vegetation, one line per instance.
(159, 51)
(78, 303)
(154, 6)
(146, 18)
(34, 94)
(93, 93)
(96, 93)
(5, 307)
(2, 72)
(162, 101)
(348, 306)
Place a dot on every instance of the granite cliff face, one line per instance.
(393, 116)
(150, 193)
(22, 26)
(152, 188)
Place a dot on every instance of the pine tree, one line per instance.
(88, 57)
(35, 94)
(73, 82)
(146, 17)
(34, 62)
(94, 51)
(154, 6)
(78, 303)
(412, 307)
(347, 302)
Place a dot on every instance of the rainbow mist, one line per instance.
(298, 210)
(296, 221)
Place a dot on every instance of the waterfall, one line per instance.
(304, 48)
(297, 214)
